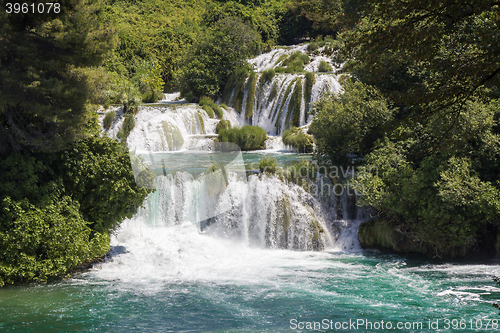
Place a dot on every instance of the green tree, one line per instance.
(435, 177)
(44, 62)
(98, 174)
(58, 209)
(219, 51)
(349, 123)
(447, 48)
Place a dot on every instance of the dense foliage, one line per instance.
(246, 137)
(347, 125)
(191, 46)
(63, 188)
(420, 111)
(58, 209)
(217, 53)
(49, 74)
(434, 171)
(222, 125)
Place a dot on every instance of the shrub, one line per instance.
(52, 214)
(108, 119)
(131, 105)
(297, 139)
(150, 97)
(98, 168)
(218, 52)
(42, 242)
(225, 107)
(268, 164)
(311, 47)
(324, 67)
(205, 101)
(222, 125)
(247, 137)
(218, 111)
(148, 79)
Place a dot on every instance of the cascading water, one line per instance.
(262, 211)
(283, 100)
(170, 126)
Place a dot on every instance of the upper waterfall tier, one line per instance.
(280, 92)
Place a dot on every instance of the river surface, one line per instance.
(169, 277)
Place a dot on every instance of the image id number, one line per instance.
(38, 8)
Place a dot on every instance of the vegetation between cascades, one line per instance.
(246, 137)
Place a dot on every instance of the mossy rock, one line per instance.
(381, 234)
(173, 135)
(202, 123)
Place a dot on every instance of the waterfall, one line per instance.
(197, 186)
(171, 126)
(262, 212)
(283, 100)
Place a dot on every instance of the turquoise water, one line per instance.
(198, 162)
(172, 278)
(283, 286)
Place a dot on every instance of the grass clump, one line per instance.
(224, 106)
(294, 63)
(222, 125)
(311, 47)
(247, 137)
(297, 139)
(268, 75)
(127, 127)
(310, 79)
(205, 101)
(252, 84)
(324, 67)
(209, 111)
(108, 119)
(295, 102)
(268, 164)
